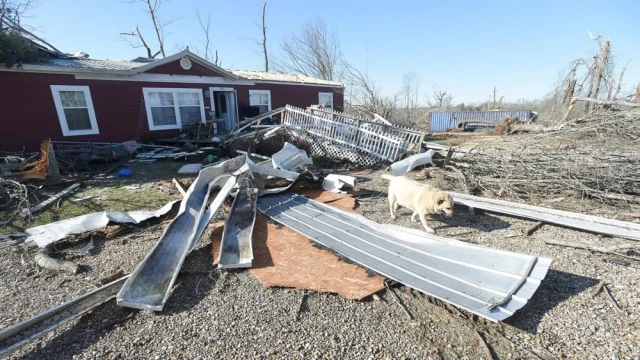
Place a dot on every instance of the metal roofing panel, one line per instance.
(281, 77)
(150, 284)
(488, 282)
(578, 221)
(236, 250)
(446, 120)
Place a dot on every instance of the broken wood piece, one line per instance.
(50, 200)
(534, 228)
(447, 159)
(601, 249)
(613, 301)
(400, 303)
(597, 289)
(46, 262)
(300, 305)
(179, 187)
(116, 275)
(485, 347)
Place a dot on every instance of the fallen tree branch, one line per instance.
(399, 301)
(613, 301)
(601, 249)
(598, 288)
(487, 351)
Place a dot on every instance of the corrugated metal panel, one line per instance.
(488, 282)
(446, 120)
(578, 221)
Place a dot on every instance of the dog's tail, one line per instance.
(387, 176)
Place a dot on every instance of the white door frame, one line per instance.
(234, 111)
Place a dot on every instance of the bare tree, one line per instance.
(264, 38)
(365, 97)
(440, 97)
(205, 26)
(314, 51)
(12, 12)
(152, 8)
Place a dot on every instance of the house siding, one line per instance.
(28, 114)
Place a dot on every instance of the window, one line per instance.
(325, 100)
(260, 98)
(172, 108)
(75, 110)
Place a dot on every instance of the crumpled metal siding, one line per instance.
(446, 120)
(488, 282)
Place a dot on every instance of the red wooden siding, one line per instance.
(28, 114)
(174, 68)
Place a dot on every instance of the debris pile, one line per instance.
(594, 156)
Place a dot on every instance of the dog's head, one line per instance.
(444, 204)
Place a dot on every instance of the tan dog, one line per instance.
(421, 198)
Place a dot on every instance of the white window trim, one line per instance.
(178, 125)
(268, 92)
(325, 93)
(55, 91)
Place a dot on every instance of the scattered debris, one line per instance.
(335, 183)
(404, 166)
(534, 228)
(611, 299)
(46, 166)
(116, 275)
(290, 158)
(50, 201)
(43, 260)
(399, 302)
(76, 200)
(124, 173)
(620, 262)
(44, 322)
(598, 288)
(190, 169)
(601, 249)
(85, 250)
(12, 236)
(179, 186)
(44, 235)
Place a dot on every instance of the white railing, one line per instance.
(376, 139)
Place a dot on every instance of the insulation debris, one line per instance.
(335, 183)
(404, 166)
(290, 158)
(44, 235)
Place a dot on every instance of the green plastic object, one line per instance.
(209, 159)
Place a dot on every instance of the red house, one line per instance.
(83, 99)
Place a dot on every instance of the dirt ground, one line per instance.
(230, 315)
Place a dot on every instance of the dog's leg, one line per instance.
(424, 223)
(393, 205)
(413, 217)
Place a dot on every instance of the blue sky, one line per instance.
(468, 46)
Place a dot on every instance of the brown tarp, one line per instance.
(284, 258)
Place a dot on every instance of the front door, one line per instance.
(224, 100)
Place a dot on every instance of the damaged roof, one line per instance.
(280, 76)
(82, 63)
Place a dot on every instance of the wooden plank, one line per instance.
(50, 200)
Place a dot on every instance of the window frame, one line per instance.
(325, 93)
(268, 92)
(55, 91)
(176, 107)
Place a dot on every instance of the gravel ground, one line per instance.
(230, 315)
